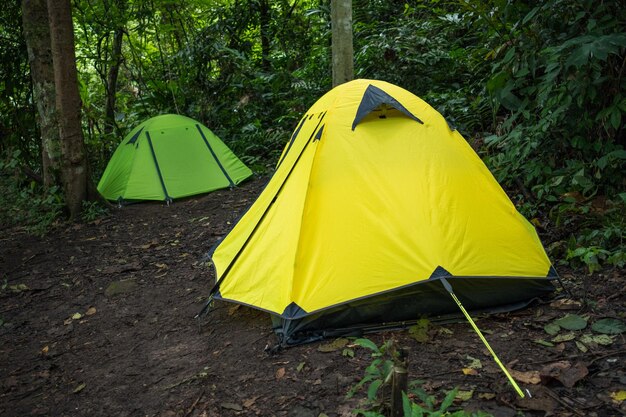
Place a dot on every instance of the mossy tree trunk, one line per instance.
(37, 37)
(74, 166)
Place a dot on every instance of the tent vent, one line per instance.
(374, 98)
(135, 137)
(318, 136)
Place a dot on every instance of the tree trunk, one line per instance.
(37, 36)
(111, 87)
(342, 49)
(74, 166)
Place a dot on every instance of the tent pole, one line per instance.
(206, 142)
(168, 199)
(205, 308)
(448, 287)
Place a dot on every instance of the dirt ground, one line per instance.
(97, 320)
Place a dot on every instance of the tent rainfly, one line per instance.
(170, 156)
(376, 212)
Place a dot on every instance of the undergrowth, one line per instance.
(580, 232)
(259, 148)
(416, 402)
(25, 202)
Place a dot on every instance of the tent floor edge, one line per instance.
(398, 309)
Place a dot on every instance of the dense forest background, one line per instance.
(538, 91)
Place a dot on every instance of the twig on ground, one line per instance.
(560, 400)
(193, 406)
(603, 355)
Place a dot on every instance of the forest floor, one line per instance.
(97, 319)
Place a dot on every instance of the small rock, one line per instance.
(231, 406)
(120, 287)
(300, 411)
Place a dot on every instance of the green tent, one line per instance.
(170, 156)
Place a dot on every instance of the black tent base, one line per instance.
(403, 307)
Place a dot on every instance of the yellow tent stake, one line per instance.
(479, 333)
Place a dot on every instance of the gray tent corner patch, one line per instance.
(552, 272)
(293, 311)
(439, 272)
(373, 98)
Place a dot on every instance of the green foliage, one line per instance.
(558, 101)
(416, 402)
(378, 371)
(93, 210)
(599, 227)
(17, 123)
(24, 202)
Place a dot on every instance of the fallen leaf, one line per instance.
(464, 395)
(603, 339)
(67, 322)
(18, 287)
(280, 373)
(45, 349)
(79, 388)
(552, 328)
(564, 372)
(572, 322)
(231, 406)
(581, 346)
(566, 304)
(528, 377)
(250, 402)
(543, 343)
(474, 363)
(486, 396)
(160, 266)
(90, 311)
(470, 371)
(333, 346)
(618, 396)
(564, 337)
(77, 316)
(318, 381)
(609, 326)
(300, 366)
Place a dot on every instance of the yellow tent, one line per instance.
(374, 200)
